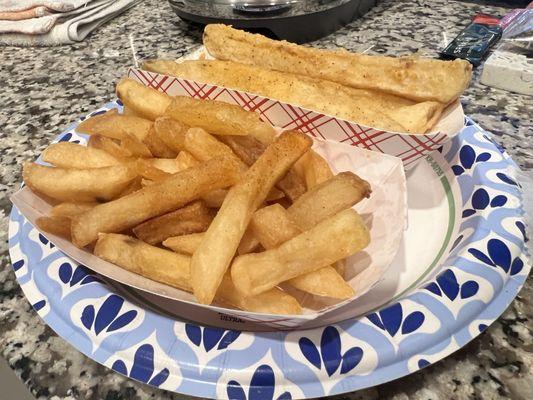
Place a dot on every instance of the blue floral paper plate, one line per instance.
(476, 277)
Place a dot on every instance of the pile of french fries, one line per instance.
(205, 197)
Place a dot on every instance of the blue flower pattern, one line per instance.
(210, 337)
(108, 316)
(143, 367)
(262, 387)
(327, 355)
(447, 285)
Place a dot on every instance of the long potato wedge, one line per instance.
(315, 169)
(337, 193)
(56, 225)
(220, 118)
(171, 132)
(78, 185)
(273, 226)
(331, 240)
(149, 261)
(72, 155)
(186, 160)
(172, 269)
(248, 149)
(136, 147)
(156, 199)
(157, 146)
(110, 146)
(168, 165)
(113, 125)
(370, 108)
(144, 101)
(70, 209)
(273, 301)
(416, 78)
(204, 146)
(184, 244)
(192, 218)
(212, 258)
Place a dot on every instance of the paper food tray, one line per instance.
(409, 147)
(384, 212)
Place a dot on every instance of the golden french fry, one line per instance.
(109, 146)
(115, 126)
(135, 147)
(215, 198)
(316, 169)
(147, 170)
(325, 281)
(184, 244)
(78, 185)
(186, 160)
(151, 201)
(337, 193)
(248, 149)
(149, 261)
(331, 240)
(248, 243)
(132, 187)
(129, 112)
(273, 226)
(416, 78)
(56, 225)
(142, 100)
(219, 118)
(204, 146)
(157, 146)
(70, 209)
(168, 165)
(171, 132)
(212, 258)
(72, 155)
(273, 301)
(192, 218)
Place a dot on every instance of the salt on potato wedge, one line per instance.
(72, 155)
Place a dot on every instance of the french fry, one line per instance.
(115, 126)
(316, 169)
(129, 112)
(186, 160)
(59, 226)
(71, 155)
(70, 209)
(168, 165)
(147, 170)
(184, 244)
(78, 185)
(331, 240)
(138, 257)
(142, 100)
(273, 226)
(132, 187)
(135, 147)
(215, 198)
(204, 146)
(248, 243)
(192, 218)
(212, 258)
(109, 146)
(157, 146)
(337, 193)
(172, 269)
(151, 201)
(273, 301)
(248, 149)
(220, 118)
(171, 132)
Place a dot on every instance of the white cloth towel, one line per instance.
(61, 28)
(56, 5)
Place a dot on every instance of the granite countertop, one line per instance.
(44, 89)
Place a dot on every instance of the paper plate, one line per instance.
(463, 261)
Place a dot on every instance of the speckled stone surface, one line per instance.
(44, 89)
